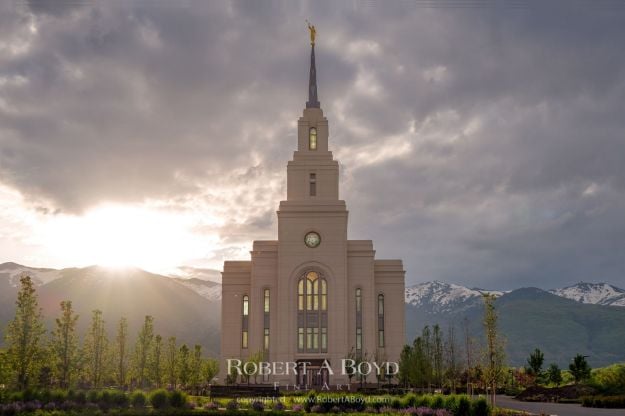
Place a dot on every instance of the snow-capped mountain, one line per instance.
(40, 276)
(594, 293)
(207, 289)
(440, 297)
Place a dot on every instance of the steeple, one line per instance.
(313, 101)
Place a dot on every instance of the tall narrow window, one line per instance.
(266, 320)
(245, 321)
(312, 139)
(381, 320)
(312, 315)
(313, 184)
(359, 321)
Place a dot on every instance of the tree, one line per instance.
(468, 349)
(437, 355)
(494, 354)
(171, 362)
(405, 366)
(4, 368)
(184, 366)
(64, 345)
(196, 367)
(94, 349)
(255, 358)
(554, 375)
(142, 349)
(535, 362)
(120, 353)
(210, 369)
(452, 372)
(156, 361)
(579, 368)
(24, 335)
(351, 371)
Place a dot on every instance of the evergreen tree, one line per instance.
(184, 365)
(156, 362)
(494, 354)
(94, 350)
(535, 362)
(171, 362)
(64, 345)
(554, 375)
(579, 368)
(142, 350)
(120, 353)
(24, 336)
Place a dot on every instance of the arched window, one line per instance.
(312, 313)
(358, 321)
(245, 321)
(312, 139)
(381, 320)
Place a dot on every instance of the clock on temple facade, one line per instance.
(312, 295)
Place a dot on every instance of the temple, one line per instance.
(312, 296)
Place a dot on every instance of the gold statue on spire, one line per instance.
(313, 33)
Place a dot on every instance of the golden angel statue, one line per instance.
(313, 32)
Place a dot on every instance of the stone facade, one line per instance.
(352, 302)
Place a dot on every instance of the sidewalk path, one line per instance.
(558, 409)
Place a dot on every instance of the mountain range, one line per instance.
(587, 318)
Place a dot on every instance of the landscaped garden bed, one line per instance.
(115, 402)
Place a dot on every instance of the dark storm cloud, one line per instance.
(485, 146)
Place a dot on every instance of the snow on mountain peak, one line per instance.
(594, 293)
(442, 297)
(39, 276)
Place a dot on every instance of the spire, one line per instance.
(312, 102)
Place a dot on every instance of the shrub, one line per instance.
(297, 408)
(279, 406)
(438, 402)
(463, 406)
(232, 405)
(159, 399)
(138, 399)
(410, 400)
(423, 401)
(480, 407)
(105, 399)
(317, 409)
(258, 406)
(211, 406)
(119, 399)
(93, 396)
(613, 402)
(177, 399)
(80, 397)
(451, 403)
(58, 396)
(311, 400)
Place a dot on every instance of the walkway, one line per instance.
(559, 409)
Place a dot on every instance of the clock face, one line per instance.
(312, 239)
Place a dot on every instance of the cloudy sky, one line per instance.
(483, 143)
